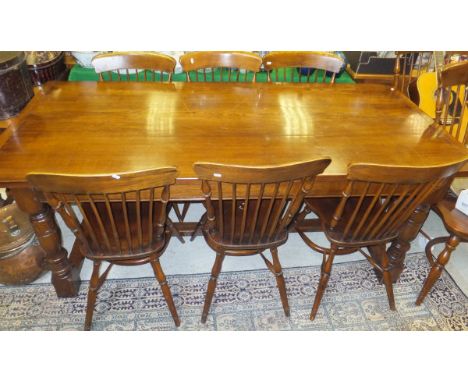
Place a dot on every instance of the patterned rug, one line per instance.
(249, 300)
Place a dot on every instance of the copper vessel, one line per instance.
(21, 257)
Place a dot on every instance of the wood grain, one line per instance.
(105, 128)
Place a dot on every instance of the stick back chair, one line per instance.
(249, 210)
(311, 64)
(409, 65)
(452, 100)
(451, 115)
(123, 220)
(217, 66)
(155, 66)
(376, 201)
(221, 66)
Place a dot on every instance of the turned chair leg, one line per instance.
(387, 280)
(174, 230)
(198, 227)
(324, 276)
(437, 267)
(181, 214)
(161, 277)
(92, 294)
(212, 285)
(278, 272)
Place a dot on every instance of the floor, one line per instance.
(247, 301)
(197, 257)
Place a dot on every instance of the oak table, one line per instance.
(98, 127)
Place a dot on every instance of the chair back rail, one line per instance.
(116, 217)
(378, 217)
(261, 201)
(221, 66)
(309, 65)
(155, 66)
(452, 100)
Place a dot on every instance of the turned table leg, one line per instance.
(409, 232)
(397, 250)
(64, 278)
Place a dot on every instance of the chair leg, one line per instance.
(181, 215)
(161, 277)
(437, 267)
(278, 272)
(198, 227)
(174, 230)
(185, 210)
(324, 276)
(212, 284)
(92, 294)
(387, 280)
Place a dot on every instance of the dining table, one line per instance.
(115, 127)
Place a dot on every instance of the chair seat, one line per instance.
(120, 251)
(455, 221)
(244, 247)
(258, 242)
(325, 208)
(241, 249)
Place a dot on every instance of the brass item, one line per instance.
(21, 257)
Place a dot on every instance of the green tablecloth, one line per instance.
(78, 73)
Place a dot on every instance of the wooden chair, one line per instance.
(217, 67)
(123, 221)
(451, 115)
(376, 201)
(156, 66)
(409, 65)
(222, 66)
(452, 99)
(311, 64)
(249, 210)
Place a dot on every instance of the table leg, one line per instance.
(64, 278)
(397, 250)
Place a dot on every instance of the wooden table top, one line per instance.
(98, 127)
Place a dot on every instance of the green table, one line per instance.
(78, 73)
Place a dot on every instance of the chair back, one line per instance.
(154, 66)
(221, 66)
(249, 206)
(452, 99)
(302, 66)
(378, 200)
(123, 215)
(408, 67)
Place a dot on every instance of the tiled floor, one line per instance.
(197, 257)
